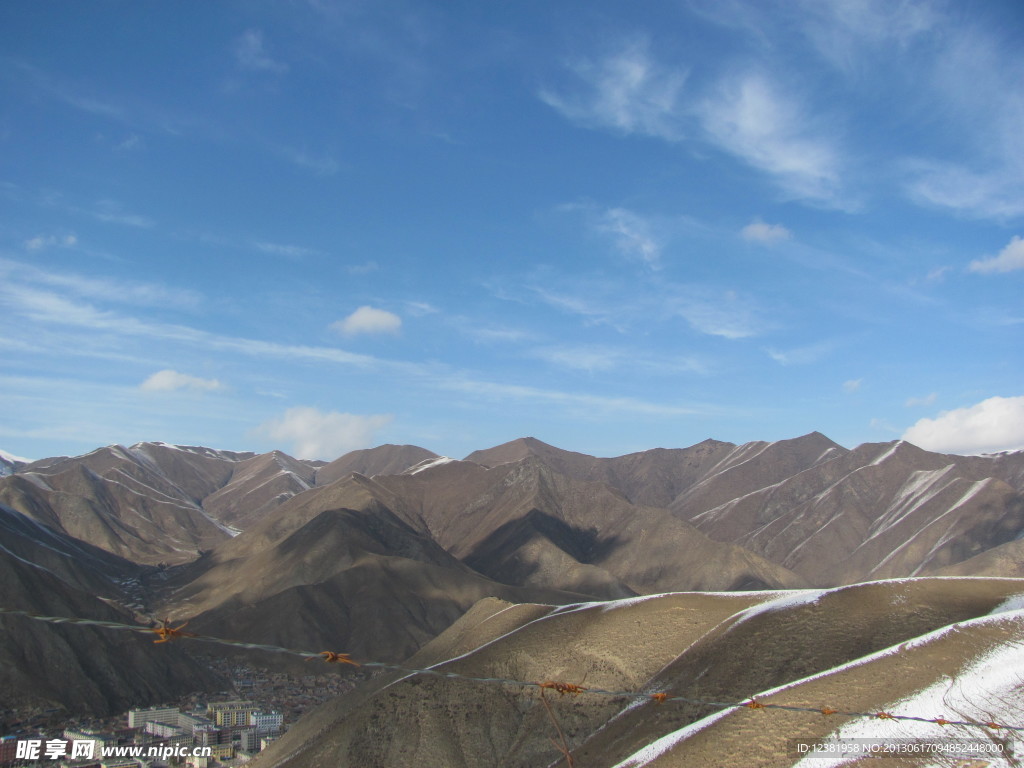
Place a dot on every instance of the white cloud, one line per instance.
(580, 358)
(627, 92)
(917, 402)
(117, 291)
(851, 386)
(368, 320)
(1009, 259)
(314, 434)
(758, 231)
(495, 335)
(421, 308)
(995, 424)
(805, 355)
(590, 405)
(840, 30)
(171, 381)
(251, 54)
(362, 269)
(288, 251)
(49, 241)
(996, 194)
(112, 212)
(752, 119)
(593, 358)
(320, 164)
(709, 310)
(632, 235)
(726, 315)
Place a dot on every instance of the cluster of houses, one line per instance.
(230, 731)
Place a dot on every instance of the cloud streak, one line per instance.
(627, 92)
(752, 118)
(251, 54)
(169, 380)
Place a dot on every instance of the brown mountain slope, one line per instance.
(881, 510)
(859, 648)
(753, 466)
(116, 512)
(659, 476)
(523, 523)
(153, 502)
(72, 561)
(382, 460)
(83, 670)
(358, 579)
(257, 486)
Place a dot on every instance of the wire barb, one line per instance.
(753, 704)
(659, 697)
(168, 633)
(335, 658)
(826, 711)
(572, 688)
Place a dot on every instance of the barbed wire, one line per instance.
(167, 633)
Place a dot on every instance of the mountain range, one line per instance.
(380, 551)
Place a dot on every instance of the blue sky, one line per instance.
(320, 226)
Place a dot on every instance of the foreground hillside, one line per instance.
(931, 648)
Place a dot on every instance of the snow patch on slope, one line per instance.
(657, 748)
(428, 464)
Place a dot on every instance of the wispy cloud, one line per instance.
(169, 380)
(726, 316)
(420, 308)
(1009, 259)
(758, 231)
(362, 269)
(17, 274)
(113, 212)
(368, 320)
(586, 358)
(322, 164)
(74, 95)
(40, 242)
(586, 403)
(707, 309)
(973, 82)
(596, 358)
(841, 30)
(986, 194)
(288, 251)
(626, 91)
(633, 235)
(918, 402)
(753, 118)
(852, 385)
(805, 355)
(251, 53)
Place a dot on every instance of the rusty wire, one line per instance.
(167, 633)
